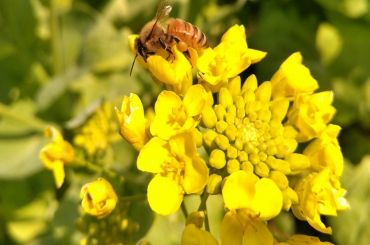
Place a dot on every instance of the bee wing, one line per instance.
(163, 11)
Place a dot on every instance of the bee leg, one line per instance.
(165, 47)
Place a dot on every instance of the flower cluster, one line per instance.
(271, 147)
(251, 133)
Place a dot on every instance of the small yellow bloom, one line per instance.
(319, 194)
(325, 151)
(98, 132)
(311, 113)
(134, 127)
(303, 240)
(178, 168)
(55, 154)
(98, 198)
(227, 60)
(251, 201)
(292, 77)
(174, 115)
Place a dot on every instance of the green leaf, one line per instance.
(352, 226)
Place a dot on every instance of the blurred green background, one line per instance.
(61, 59)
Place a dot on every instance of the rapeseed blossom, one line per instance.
(55, 154)
(98, 198)
(252, 134)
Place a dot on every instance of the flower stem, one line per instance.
(96, 168)
(138, 197)
(203, 207)
(184, 210)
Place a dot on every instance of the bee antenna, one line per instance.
(133, 63)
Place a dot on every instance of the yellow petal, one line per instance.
(183, 145)
(268, 199)
(231, 232)
(195, 175)
(195, 100)
(257, 234)
(165, 194)
(58, 172)
(239, 190)
(151, 157)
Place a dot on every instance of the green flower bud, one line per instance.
(233, 165)
(217, 159)
(214, 184)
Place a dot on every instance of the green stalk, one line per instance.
(25, 119)
(96, 168)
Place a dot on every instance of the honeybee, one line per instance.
(162, 31)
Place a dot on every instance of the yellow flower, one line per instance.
(319, 194)
(98, 132)
(310, 113)
(193, 233)
(179, 170)
(175, 71)
(227, 60)
(55, 154)
(325, 151)
(174, 115)
(134, 127)
(292, 77)
(251, 202)
(303, 240)
(98, 198)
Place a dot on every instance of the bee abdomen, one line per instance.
(187, 33)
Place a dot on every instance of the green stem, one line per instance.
(133, 198)
(203, 207)
(25, 119)
(184, 211)
(55, 38)
(96, 168)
